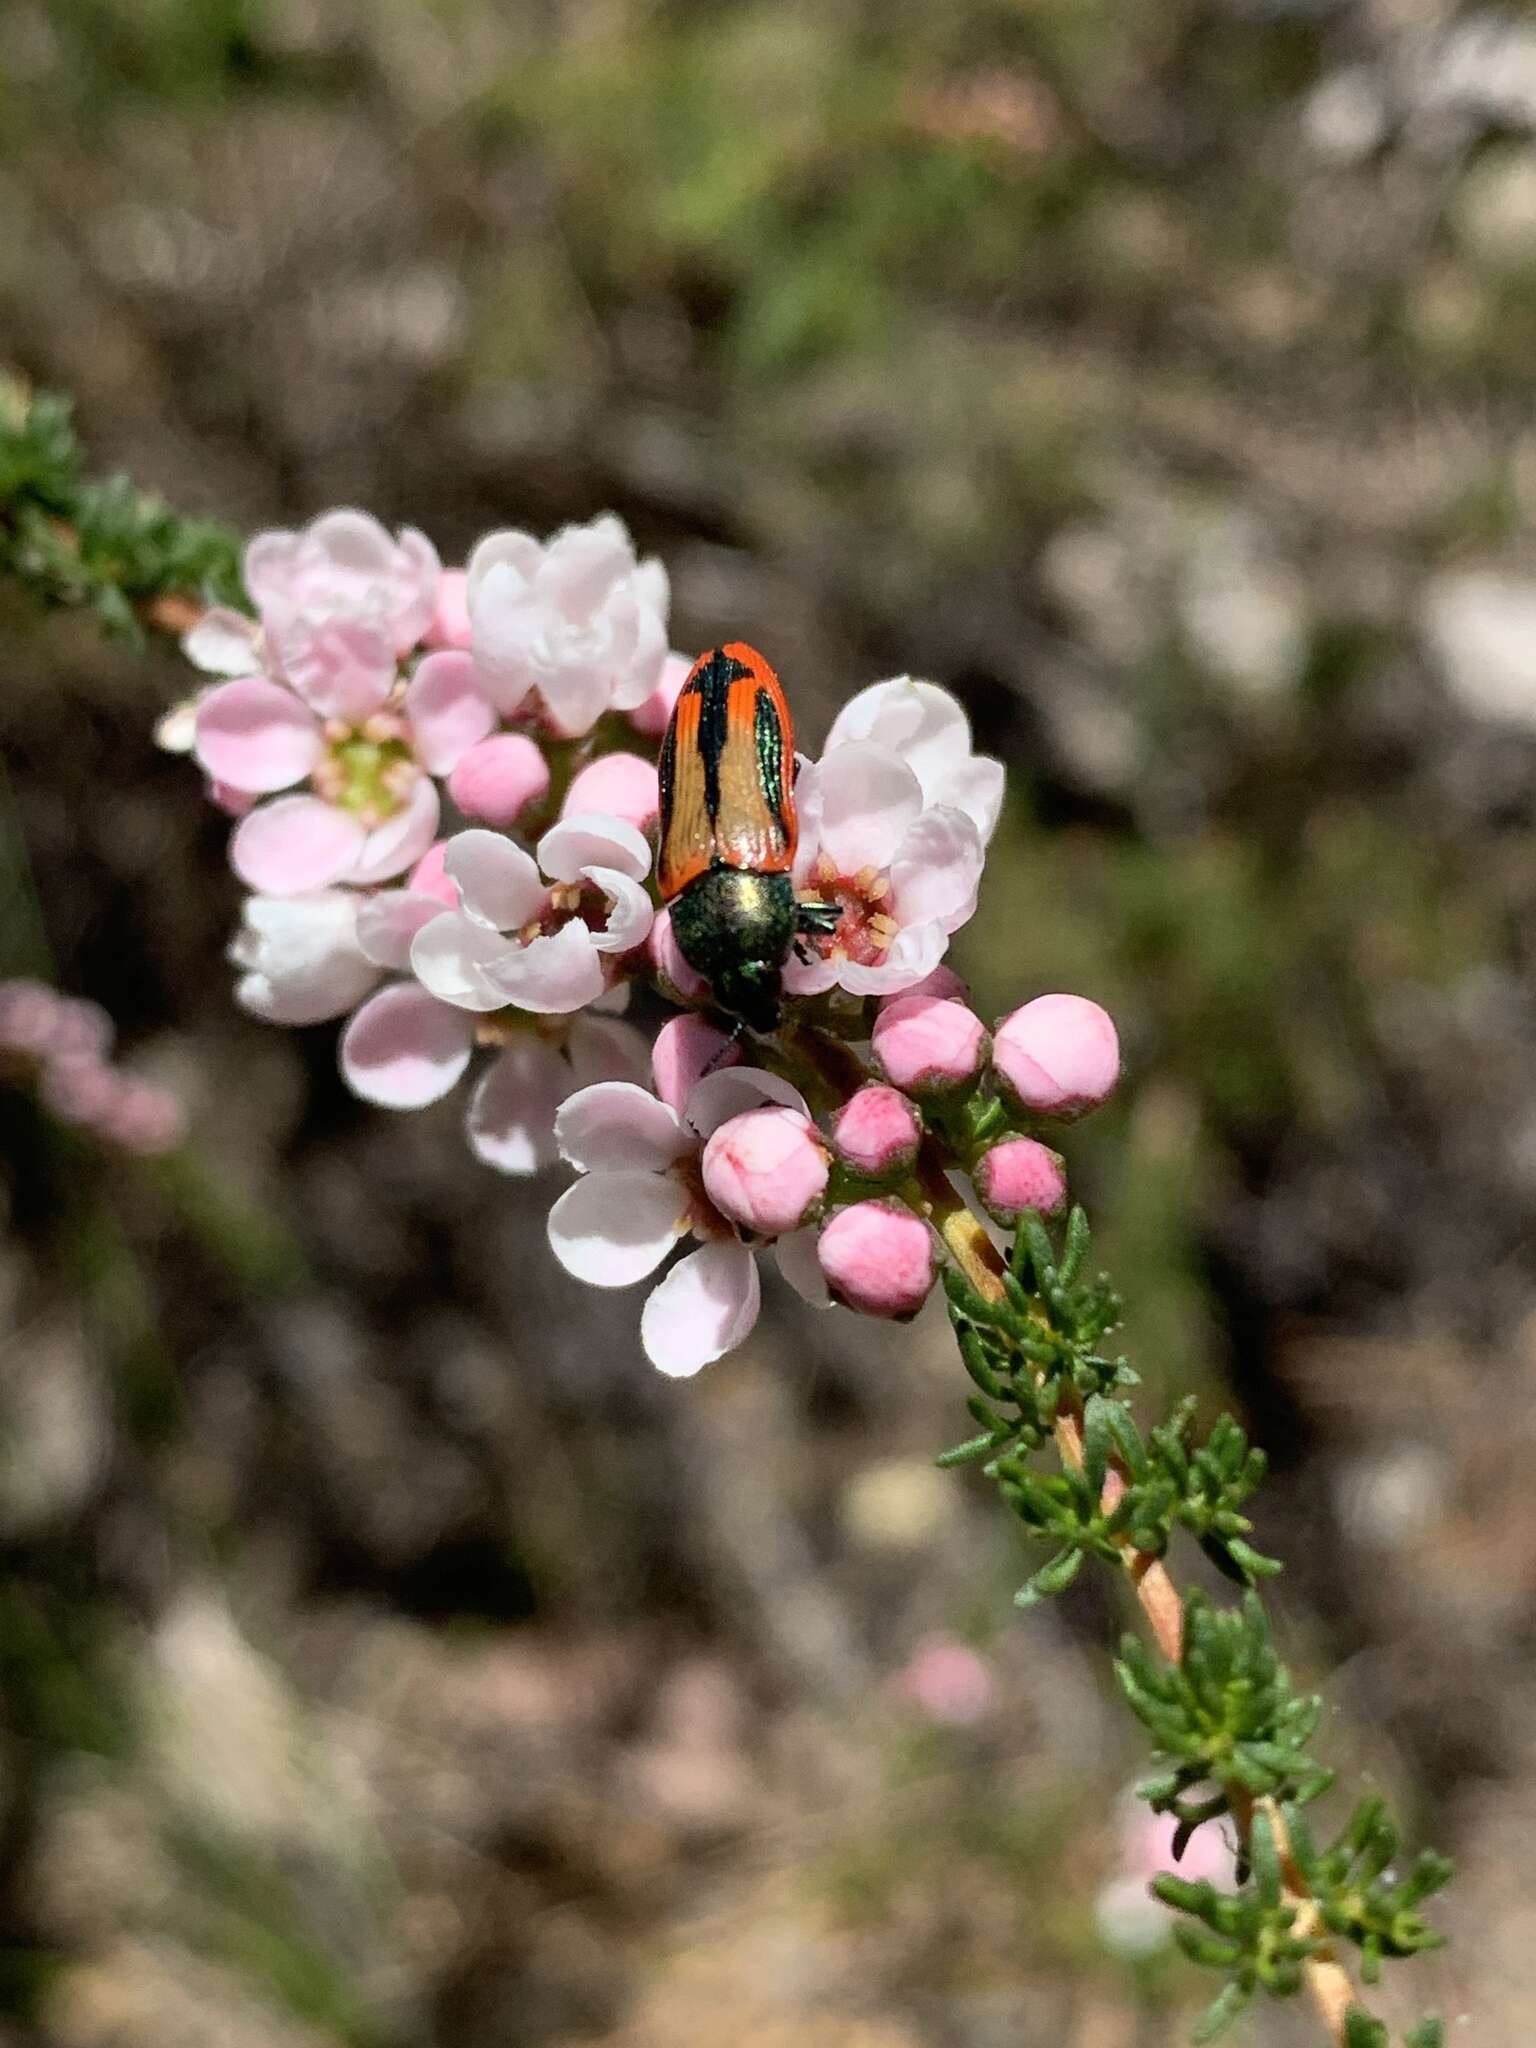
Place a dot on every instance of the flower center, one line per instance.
(564, 901)
(703, 1219)
(865, 927)
(368, 769)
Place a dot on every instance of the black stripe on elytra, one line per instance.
(768, 731)
(712, 685)
(666, 771)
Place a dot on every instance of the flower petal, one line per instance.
(912, 955)
(705, 1307)
(450, 956)
(389, 921)
(294, 844)
(607, 1049)
(497, 881)
(611, 1229)
(976, 787)
(511, 1121)
(551, 976)
(448, 710)
(224, 642)
(343, 667)
(686, 1049)
(937, 871)
(924, 724)
(301, 957)
(615, 1126)
(795, 1256)
(731, 1091)
(592, 840)
(404, 1049)
(869, 799)
(255, 735)
(630, 911)
(400, 841)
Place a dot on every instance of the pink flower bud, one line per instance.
(1019, 1174)
(81, 1030)
(924, 1044)
(450, 625)
(686, 1049)
(879, 1258)
(78, 1091)
(766, 1169)
(942, 982)
(667, 959)
(430, 878)
(651, 717)
(618, 786)
(498, 778)
(1057, 1056)
(234, 803)
(877, 1132)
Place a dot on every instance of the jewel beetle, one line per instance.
(728, 833)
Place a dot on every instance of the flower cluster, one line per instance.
(445, 800)
(61, 1048)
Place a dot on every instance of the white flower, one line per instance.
(642, 1191)
(893, 832)
(342, 569)
(579, 619)
(517, 939)
(301, 957)
(932, 734)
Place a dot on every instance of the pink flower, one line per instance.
(903, 875)
(512, 1112)
(143, 1118)
(651, 717)
(878, 1258)
(1132, 1921)
(63, 1046)
(927, 728)
(621, 786)
(877, 1132)
(1057, 1056)
(1019, 1174)
(499, 778)
(948, 1680)
(926, 1044)
(539, 945)
(642, 1190)
(343, 567)
(578, 619)
(29, 1012)
(766, 1170)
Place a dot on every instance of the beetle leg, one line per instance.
(817, 919)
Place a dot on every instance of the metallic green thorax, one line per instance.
(735, 927)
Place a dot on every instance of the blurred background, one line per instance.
(390, 1659)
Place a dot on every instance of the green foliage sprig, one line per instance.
(97, 544)
(1231, 1733)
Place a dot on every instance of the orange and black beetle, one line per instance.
(728, 832)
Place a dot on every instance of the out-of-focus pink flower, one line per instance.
(538, 944)
(902, 874)
(948, 1681)
(144, 1118)
(650, 718)
(497, 779)
(578, 619)
(1131, 1920)
(343, 566)
(642, 1190)
(1018, 1174)
(28, 1012)
(929, 730)
(450, 625)
(62, 1046)
(878, 1258)
(1057, 1056)
(666, 957)
(619, 785)
(877, 1132)
(766, 1170)
(927, 1044)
